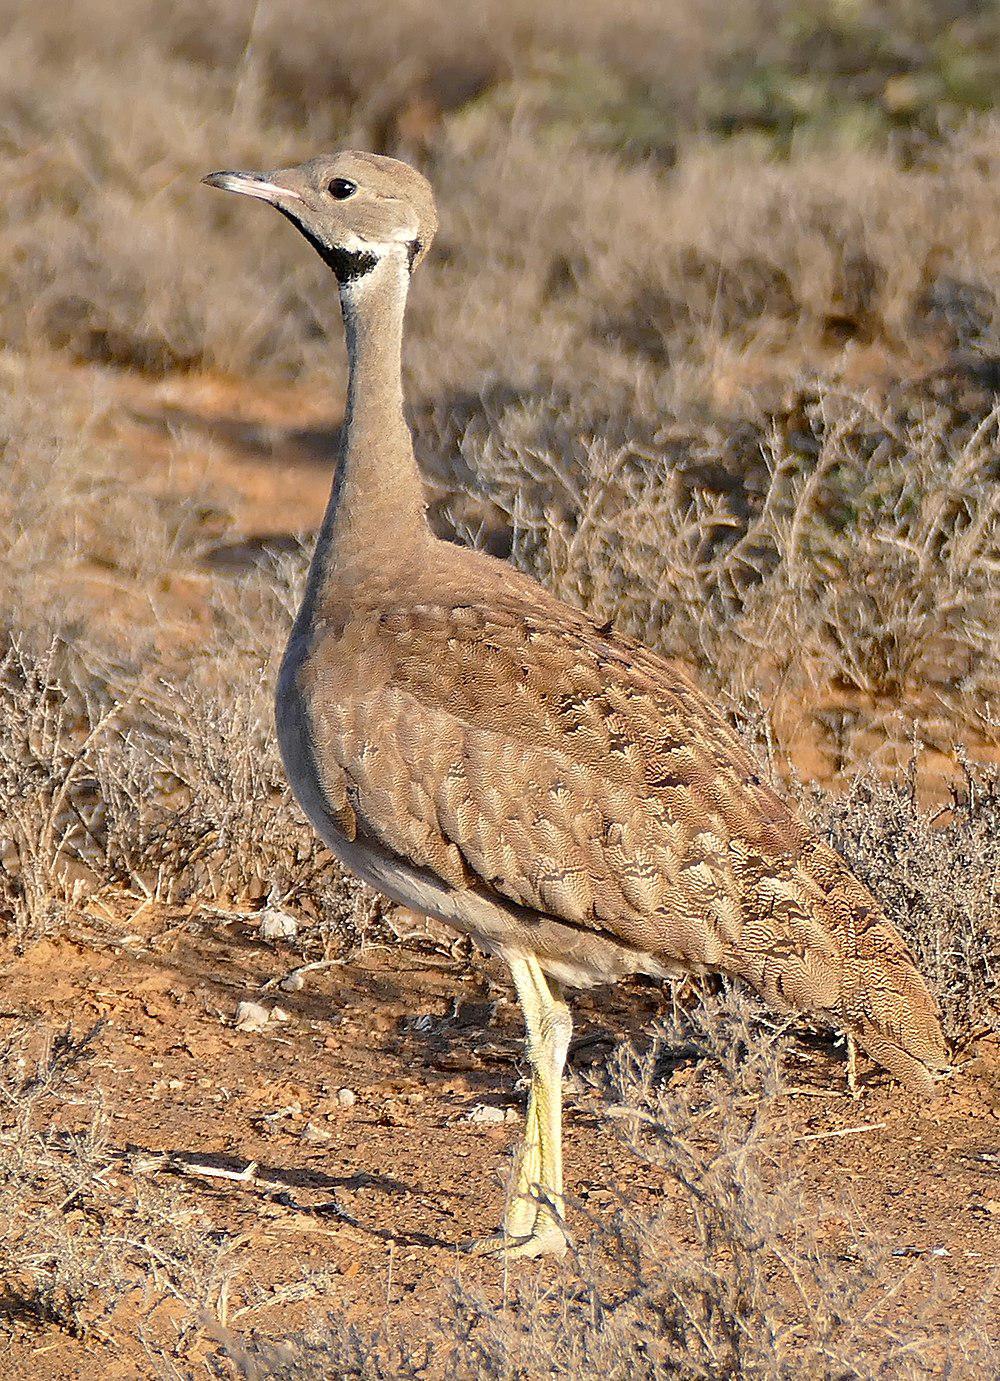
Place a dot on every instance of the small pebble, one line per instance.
(277, 925)
(250, 1016)
(290, 1110)
(293, 982)
(279, 1014)
(346, 1097)
(487, 1115)
(310, 1132)
(423, 1022)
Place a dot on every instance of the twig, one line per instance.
(314, 967)
(841, 1131)
(797, 1091)
(248, 1175)
(179, 1165)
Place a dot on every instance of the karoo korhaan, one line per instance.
(479, 751)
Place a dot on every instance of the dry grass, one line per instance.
(171, 799)
(86, 1230)
(114, 253)
(861, 548)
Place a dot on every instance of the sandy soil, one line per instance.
(385, 1191)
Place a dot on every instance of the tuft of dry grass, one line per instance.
(48, 1273)
(85, 1231)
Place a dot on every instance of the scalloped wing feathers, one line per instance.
(519, 751)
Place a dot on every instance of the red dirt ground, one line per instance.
(406, 1163)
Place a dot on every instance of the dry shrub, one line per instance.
(860, 544)
(225, 827)
(46, 801)
(113, 253)
(705, 287)
(110, 237)
(176, 797)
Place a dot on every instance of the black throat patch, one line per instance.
(347, 264)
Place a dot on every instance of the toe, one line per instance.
(546, 1240)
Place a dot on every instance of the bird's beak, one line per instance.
(253, 185)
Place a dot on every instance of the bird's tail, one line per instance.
(886, 1004)
(837, 955)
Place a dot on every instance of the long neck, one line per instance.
(376, 513)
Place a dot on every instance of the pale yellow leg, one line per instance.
(519, 1218)
(534, 1221)
(853, 1087)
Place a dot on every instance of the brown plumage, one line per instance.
(479, 750)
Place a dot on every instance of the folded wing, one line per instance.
(586, 779)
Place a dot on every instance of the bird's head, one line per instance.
(355, 209)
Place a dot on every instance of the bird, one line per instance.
(481, 752)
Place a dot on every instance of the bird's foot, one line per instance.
(544, 1239)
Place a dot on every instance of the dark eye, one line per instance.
(341, 188)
